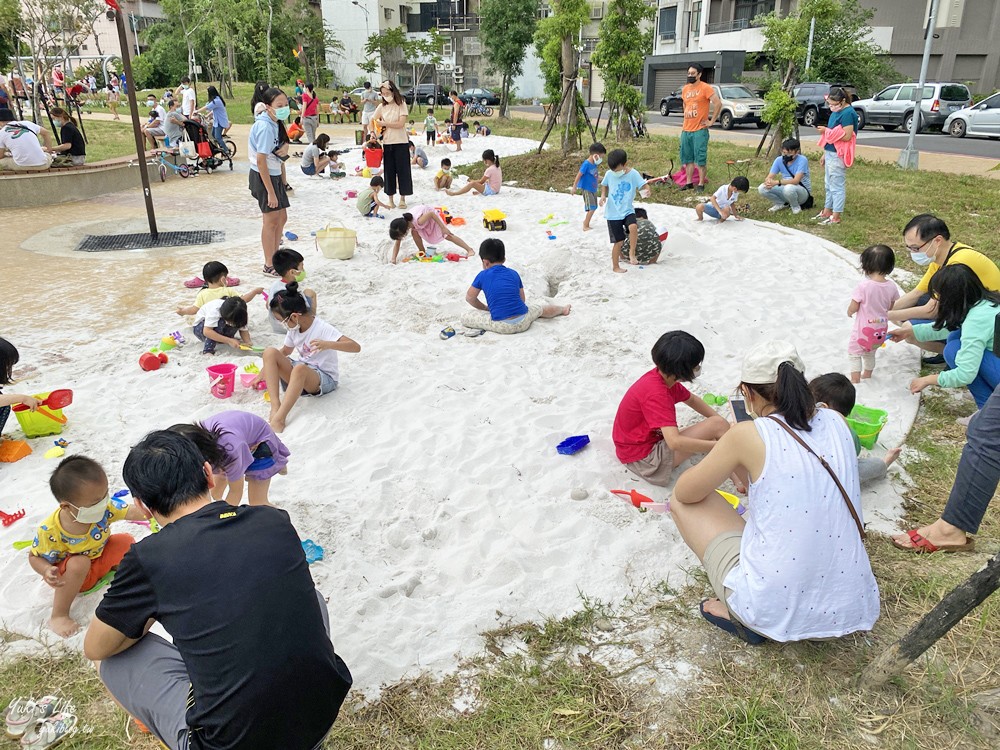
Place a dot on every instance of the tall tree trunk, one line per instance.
(568, 81)
(504, 96)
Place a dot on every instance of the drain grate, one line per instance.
(99, 243)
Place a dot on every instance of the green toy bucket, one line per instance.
(37, 423)
(867, 424)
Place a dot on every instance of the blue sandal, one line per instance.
(733, 628)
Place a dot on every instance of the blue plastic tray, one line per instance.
(574, 444)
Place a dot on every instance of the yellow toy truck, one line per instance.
(493, 219)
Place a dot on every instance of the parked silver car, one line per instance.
(739, 106)
(979, 119)
(894, 106)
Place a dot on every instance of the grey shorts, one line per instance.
(326, 381)
(657, 467)
(151, 682)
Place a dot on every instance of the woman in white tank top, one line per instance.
(794, 567)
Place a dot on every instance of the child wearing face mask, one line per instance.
(71, 141)
(317, 369)
(443, 178)
(73, 548)
(586, 180)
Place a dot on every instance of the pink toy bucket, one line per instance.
(223, 380)
(247, 378)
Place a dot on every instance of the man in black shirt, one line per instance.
(251, 665)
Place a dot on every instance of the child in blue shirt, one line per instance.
(505, 310)
(618, 191)
(586, 180)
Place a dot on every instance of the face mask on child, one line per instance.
(93, 514)
(597, 160)
(282, 112)
(300, 276)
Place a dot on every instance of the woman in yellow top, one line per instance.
(390, 117)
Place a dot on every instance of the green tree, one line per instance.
(555, 40)
(423, 54)
(507, 28)
(390, 46)
(10, 23)
(842, 50)
(621, 51)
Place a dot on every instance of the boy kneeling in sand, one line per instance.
(505, 310)
(647, 439)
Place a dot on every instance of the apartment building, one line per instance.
(103, 43)
(719, 33)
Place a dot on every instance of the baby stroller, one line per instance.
(207, 154)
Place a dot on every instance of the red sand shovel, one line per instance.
(58, 399)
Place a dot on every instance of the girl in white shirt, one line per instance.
(316, 371)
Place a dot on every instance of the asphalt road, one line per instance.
(870, 136)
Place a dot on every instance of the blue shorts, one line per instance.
(326, 381)
(488, 189)
(310, 170)
(710, 211)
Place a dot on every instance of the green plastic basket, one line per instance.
(867, 424)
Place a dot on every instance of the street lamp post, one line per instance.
(368, 33)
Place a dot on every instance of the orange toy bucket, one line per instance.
(223, 380)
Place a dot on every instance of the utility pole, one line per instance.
(809, 49)
(909, 157)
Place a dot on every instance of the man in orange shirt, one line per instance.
(701, 107)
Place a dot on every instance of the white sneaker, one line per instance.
(775, 208)
(796, 209)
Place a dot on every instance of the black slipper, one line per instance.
(733, 628)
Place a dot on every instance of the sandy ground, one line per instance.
(431, 476)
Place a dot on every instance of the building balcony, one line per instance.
(740, 24)
(458, 23)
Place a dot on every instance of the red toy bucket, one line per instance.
(373, 157)
(223, 380)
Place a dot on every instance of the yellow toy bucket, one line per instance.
(45, 421)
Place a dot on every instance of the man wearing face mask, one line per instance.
(929, 242)
(788, 183)
(188, 100)
(701, 106)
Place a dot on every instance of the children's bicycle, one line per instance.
(162, 164)
(478, 109)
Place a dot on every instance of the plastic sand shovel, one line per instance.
(249, 348)
(58, 399)
(642, 502)
(24, 544)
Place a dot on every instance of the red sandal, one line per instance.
(921, 545)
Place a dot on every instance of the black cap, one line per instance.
(6, 115)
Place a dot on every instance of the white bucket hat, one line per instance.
(760, 365)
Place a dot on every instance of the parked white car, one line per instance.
(979, 119)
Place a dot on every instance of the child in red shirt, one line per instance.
(647, 439)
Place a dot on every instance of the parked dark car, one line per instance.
(813, 108)
(427, 93)
(672, 103)
(483, 96)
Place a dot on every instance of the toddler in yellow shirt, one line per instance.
(74, 548)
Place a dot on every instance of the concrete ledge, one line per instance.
(66, 184)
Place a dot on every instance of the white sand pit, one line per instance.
(431, 476)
